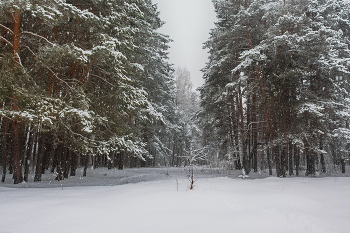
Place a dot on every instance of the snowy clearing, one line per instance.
(289, 205)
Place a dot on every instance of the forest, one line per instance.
(88, 83)
(277, 86)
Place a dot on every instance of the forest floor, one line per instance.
(105, 177)
(220, 202)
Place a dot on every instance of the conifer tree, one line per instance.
(275, 79)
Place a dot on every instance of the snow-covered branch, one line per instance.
(6, 41)
(41, 37)
(6, 28)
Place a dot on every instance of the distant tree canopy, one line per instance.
(276, 89)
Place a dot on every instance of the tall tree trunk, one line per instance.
(74, 164)
(290, 156)
(248, 142)
(54, 159)
(233, 127)
(5, 132)
(17, 166)
(310, 160)
(39, 158)
(297, 159)
(173, 154)
(269, 162)
(60, 160)
(17, 158)
(284, 160)
(86, 164)
(67, 162)
(28, 152)
(254, 133)
(276, 150)
(120, 160)
(307, 156)
(16, 35)
(322, 160)
(342, 163)
(240, 130)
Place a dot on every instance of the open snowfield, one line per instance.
(222, 204)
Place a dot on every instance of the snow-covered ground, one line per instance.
(221, 204)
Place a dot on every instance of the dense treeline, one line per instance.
(277, 85)
(84, 82)
(87, 82)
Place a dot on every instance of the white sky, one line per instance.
(188, 23)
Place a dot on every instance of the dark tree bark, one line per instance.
(86, 164)
(249, 157)
(61, 161)
(39, 158)
(74, 164)
(54, 159)
(120, 160)
(254, 133)
(290, 156)
(16, 36)
(5, 132)
(48, 152)
(246, 160)
(67, 162)
(310, 160)
(276, 151)
(342, 162)
(28, 155)
(269, 162)
(284, 160)
(297, 159)
(322, 160)
(17, 158)
(112, 157)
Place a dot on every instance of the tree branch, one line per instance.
(18, 59)
(6, 41)
(96, 76)
(6, 28)
(41, 37)
(53, 73)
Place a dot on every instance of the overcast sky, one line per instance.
(188, 23)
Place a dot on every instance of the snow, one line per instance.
(220, 204)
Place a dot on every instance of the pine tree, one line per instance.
(74, 81)
(283, 82)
